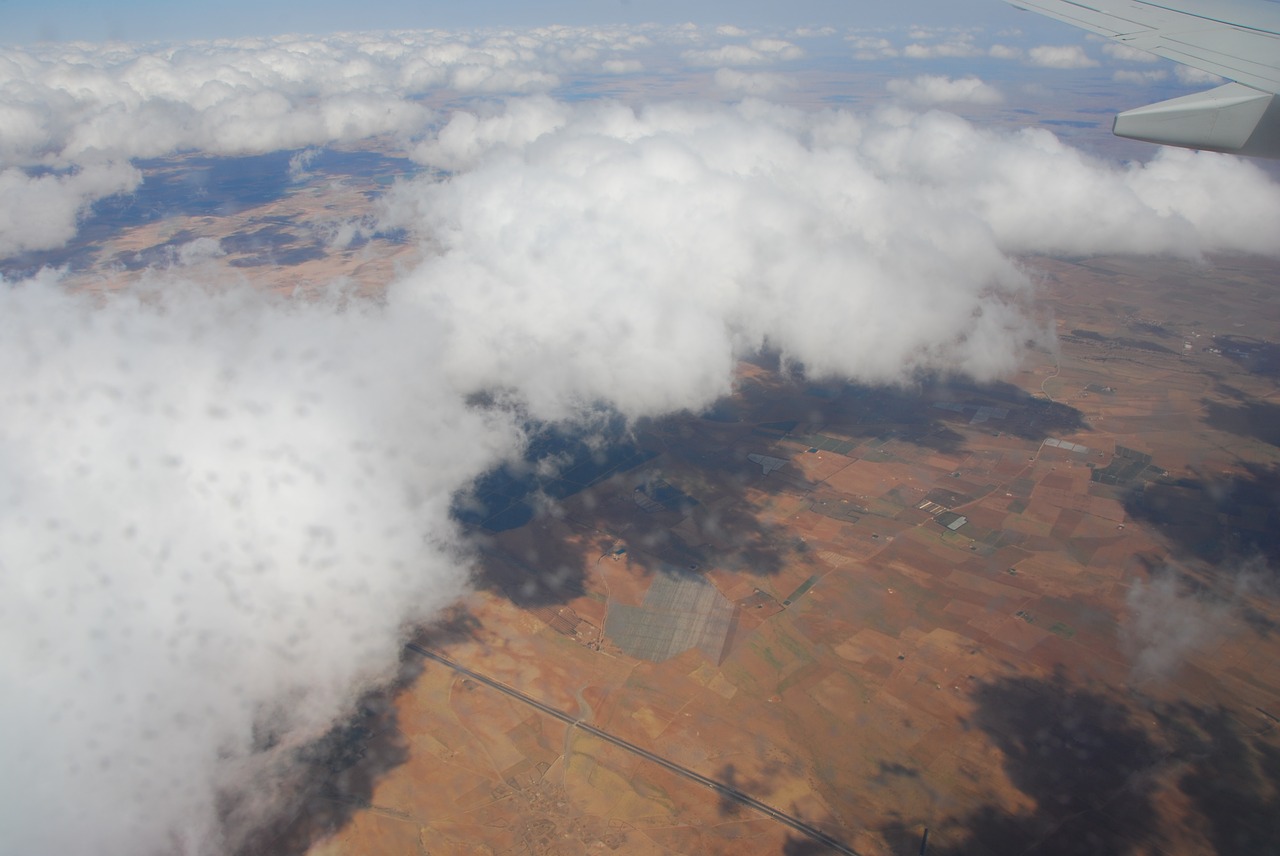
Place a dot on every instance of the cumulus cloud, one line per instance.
(41, 211)
(929, 43)
(1060, 56)
(727, 211)
(220, 512)
(225, 98)
(1196, 77)
(872, 47)
(1005, 52)
(622, 66)
(301, 162)
(1164, 627)
(935, 89)
(722, 229)
(469, 135)
(76, 104)
(1127, 53)
(756, 52)
(1167, 623)
(780, 48)
(921, 33)
(757, 83)
(1040, 196)
(813, 32)
(958, 47)
(198, 251)
(1139, 78)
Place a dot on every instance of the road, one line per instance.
(720, 788)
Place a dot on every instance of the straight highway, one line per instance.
(720, 788)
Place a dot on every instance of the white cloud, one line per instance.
(931, 43)
(714, 229)
(1164, 627)
(781, 48)
(928, 43)
(1060, 56)
(1039, 196)
(1195, 77)
(1126, 53)
(869, 48)
(622, 66)
(76, 103)
(41, 212)
(718, 211)
(468, 136)
(299, 163)
(953, 34)
(958, 48)
(928, 89)
(225, 99)
(198, 252)
(1185, 187)
(730, 30)
(220, 513)
(725, 55)
(1139, 78)
(751, 83)
(1169, 623)
(813, 32)
(757, 52)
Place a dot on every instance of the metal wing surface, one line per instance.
(1235, 39)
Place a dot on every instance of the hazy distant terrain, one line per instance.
(933, 419)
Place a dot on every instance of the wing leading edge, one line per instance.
(1235, 39)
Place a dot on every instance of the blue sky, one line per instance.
(26, 21)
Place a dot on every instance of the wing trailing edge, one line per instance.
(1232, 118)
(1235, 39)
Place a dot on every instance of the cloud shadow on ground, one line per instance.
(335, 775)
(1256, 356)
(1228, 521)
(934, 413)
(1096, 768)
(674, 524)
(1232, 773)
(647, 504)
(1259, 420)
(1078, 755)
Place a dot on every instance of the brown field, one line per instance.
(1079, 667)
(286, 245)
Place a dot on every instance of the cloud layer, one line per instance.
(94, 108)
(1061, 56)
(220, 512)
(41, 211)
(927, 89)
(1170, 623)
(669, 240)
(86, 112)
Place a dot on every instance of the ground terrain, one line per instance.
(1038, 615)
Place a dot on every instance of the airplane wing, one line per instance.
(1235, 39)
